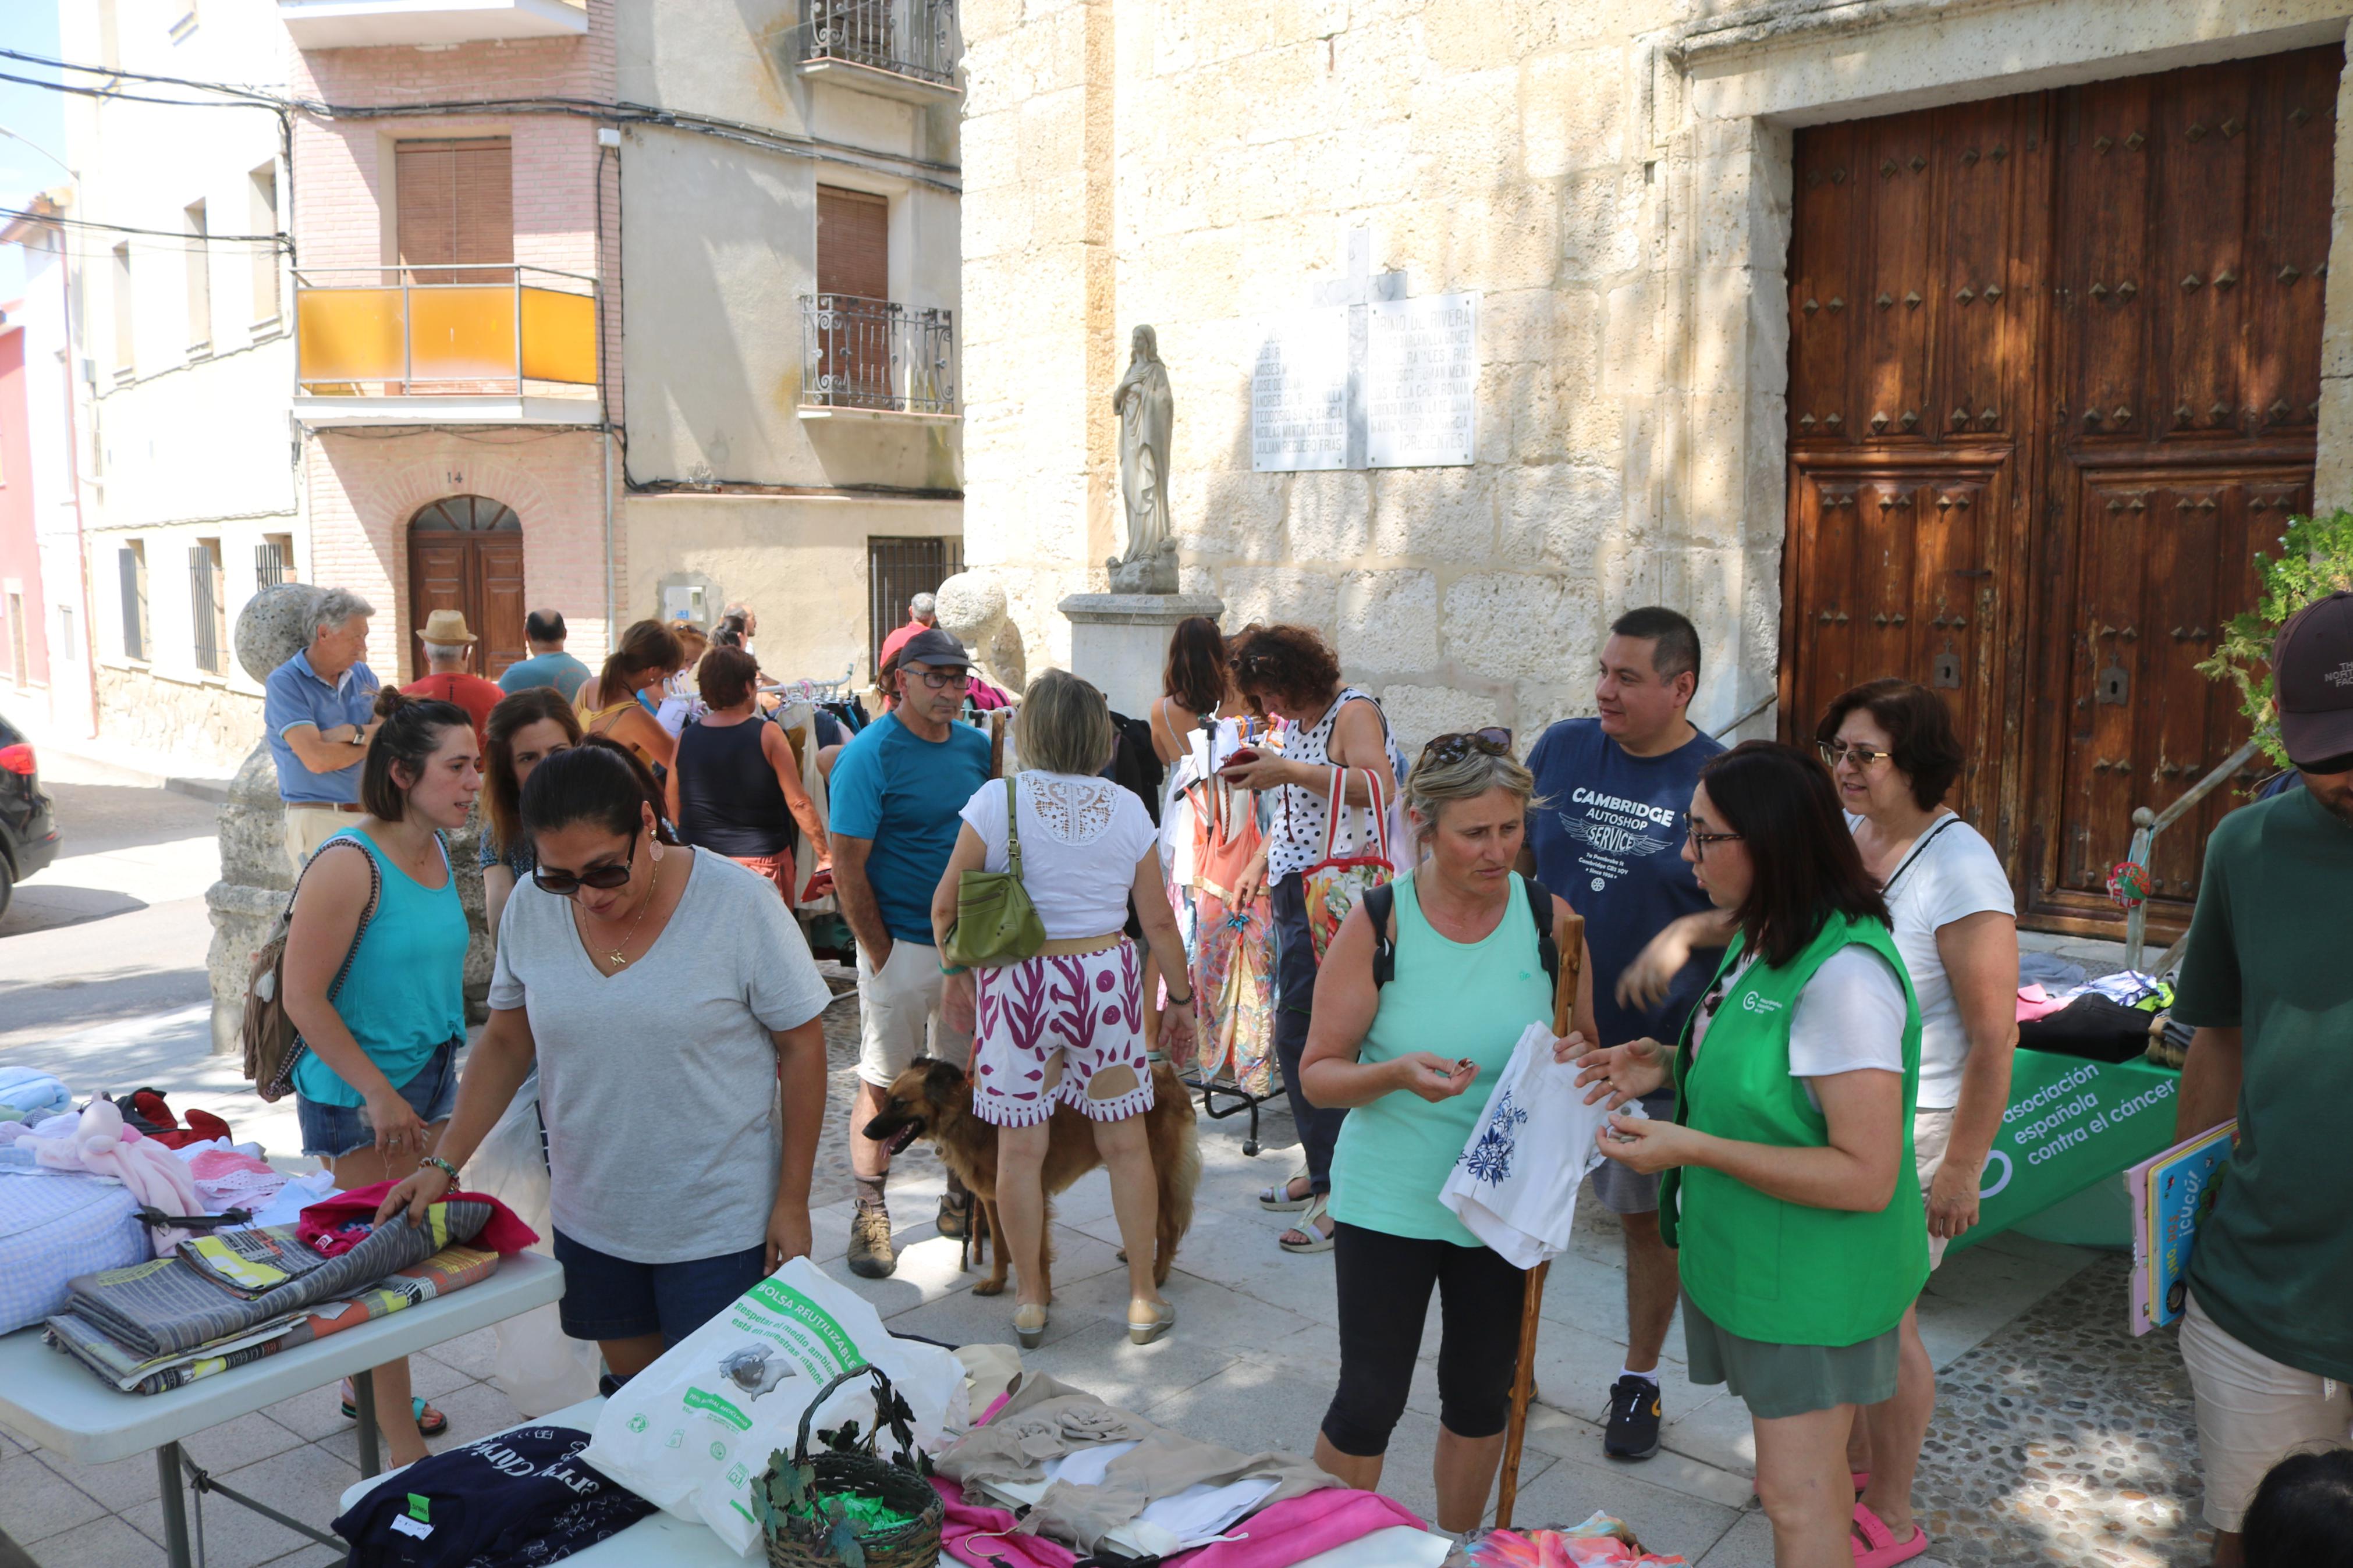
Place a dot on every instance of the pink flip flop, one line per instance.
(1875, 1545)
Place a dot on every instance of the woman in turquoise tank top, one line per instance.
(379, 1078)
(1469, 979)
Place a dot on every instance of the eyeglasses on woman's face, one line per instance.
(603, 876)
(1700, 841)
(1863, 757)
(1455, 746)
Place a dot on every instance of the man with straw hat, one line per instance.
(448, 643)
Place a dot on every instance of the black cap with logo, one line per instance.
(2312, 681)
(935, 647)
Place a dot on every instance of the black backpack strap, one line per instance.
(1379, 904)
(1540, 911)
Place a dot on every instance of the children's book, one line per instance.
(2171, 1195)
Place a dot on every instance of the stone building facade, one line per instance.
(1613, 177)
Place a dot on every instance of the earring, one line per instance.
(658, 849)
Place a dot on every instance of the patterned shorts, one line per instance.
(1085, 1009)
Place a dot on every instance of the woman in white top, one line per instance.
(1066, 1027)
(1893, 753)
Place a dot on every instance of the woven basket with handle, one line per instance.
(791, 1498)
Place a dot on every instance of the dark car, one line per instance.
(29, 833)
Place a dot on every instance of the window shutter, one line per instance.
(853, 242)
(455, 206)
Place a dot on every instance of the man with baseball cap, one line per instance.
(897, 791)
(2267, 982)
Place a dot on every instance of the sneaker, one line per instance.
(870, 1254)
(1633, 1430)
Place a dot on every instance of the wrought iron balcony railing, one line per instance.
(915, 39)
(876, 354)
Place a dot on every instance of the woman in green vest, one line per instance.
(1790, 1191)
(1469, 976)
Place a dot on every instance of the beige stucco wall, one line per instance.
(799, 561)
(1611, 177)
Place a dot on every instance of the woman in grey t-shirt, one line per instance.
(668, 998)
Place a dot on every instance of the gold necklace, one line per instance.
(619, 957)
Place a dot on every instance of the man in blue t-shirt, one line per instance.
(548, 665)
(1608, 839)
(896, 793)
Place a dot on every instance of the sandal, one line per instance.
(430, 1423)
(1875, 1545)
(1318, 1240)
(1029, 1325)
(1277, 1199)
(1163, 1319)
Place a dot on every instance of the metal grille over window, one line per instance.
(132, 567)
(205, 605)
(273, 562)
(906, 37)
(874, 354)
(896, 571)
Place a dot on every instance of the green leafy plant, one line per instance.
(2315, 560)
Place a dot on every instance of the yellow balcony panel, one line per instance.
(348, 334)
(559, 337)
(463, 332)
(364, 23)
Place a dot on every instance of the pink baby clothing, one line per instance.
(101, 1145)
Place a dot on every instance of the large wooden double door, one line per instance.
(2054, 372)
(465, 553)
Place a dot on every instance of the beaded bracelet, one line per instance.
(438, 1163)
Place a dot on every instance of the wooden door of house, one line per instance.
(465, 553)
(2054, 374)
(854, 278)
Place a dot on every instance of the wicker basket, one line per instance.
(802, 1542)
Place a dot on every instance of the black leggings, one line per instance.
(1384, 1284)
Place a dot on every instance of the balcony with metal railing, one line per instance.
(365, 24)
(472, 345)
(906, 50)
(876, 358)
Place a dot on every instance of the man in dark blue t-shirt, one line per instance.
(1608, 839)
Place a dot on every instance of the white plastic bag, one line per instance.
(692, 1432)
(540, 1368)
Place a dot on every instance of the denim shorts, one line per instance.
(609, 1298)
(331, 1131)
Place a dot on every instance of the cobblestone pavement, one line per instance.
(2062, 1439)
(831, 1181)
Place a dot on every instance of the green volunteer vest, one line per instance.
(1765, 1269)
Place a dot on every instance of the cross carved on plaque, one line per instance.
(1358, 286)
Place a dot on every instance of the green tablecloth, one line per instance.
(2070, 1124)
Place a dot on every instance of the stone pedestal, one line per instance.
(1120, 641)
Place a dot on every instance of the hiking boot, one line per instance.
(956, 1211)
(1633, 1429)
(870, 1254)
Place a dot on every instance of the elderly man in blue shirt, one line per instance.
(318, 713)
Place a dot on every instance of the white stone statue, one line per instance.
(971, 607)
(1147, 416)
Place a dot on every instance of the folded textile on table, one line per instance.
(101, 1145)
(247, 1260)
(1296, 1531)
(1046, 1419)
(1600, 1541)
(1514, 1184)
(1192, 1517)
(166, 1306)
(53, 1227)
(28, 1094)
(521, 1498)
(228, 1178)
(337, 1225)
(2093, 1027)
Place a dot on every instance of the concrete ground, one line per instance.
(2059, 1439)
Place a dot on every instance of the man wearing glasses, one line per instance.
(1608, 837)
(896, 791)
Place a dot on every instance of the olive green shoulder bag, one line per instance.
(996, 922)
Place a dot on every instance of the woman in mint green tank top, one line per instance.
(379, 1076)
(1413, 1061)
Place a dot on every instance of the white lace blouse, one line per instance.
(1080, 840)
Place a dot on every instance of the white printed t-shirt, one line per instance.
(1080, 840)
(1848, 1017)
(1946, 878)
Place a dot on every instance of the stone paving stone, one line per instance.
(233, 1444)
(118, 1484)
(305, 1482)
(37, 1503)
(105, 1542)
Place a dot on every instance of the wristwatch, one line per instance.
(359, 736)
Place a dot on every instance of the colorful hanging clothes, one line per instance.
(1233, 976)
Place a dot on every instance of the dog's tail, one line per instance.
(1176, 1189)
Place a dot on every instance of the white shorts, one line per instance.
(899, 1014)
(1057, 1030)
(1932, 1134)
(2253, 1412)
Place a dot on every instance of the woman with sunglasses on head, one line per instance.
(667, 997)
(374, 1090)
(615, 703)
(1288, 673)
(1791, 1193)
(526, 728)
(1466, 973)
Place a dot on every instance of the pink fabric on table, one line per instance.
(2033, 1001)
(1298, 1528)
(995, 1405)
(100, 1143)
(998, 1546)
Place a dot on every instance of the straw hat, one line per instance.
(446, 628)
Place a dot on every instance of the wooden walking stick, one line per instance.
(1568, 935)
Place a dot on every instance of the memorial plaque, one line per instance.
(1299, 393)
(1421, 381)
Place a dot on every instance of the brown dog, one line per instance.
(933, 1099)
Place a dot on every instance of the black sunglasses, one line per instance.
(605, 877)
(1460, 743)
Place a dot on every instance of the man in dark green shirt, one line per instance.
(2267, 982)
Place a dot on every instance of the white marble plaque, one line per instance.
(1299, 393)
(1421, 381)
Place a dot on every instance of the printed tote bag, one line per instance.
(1334, 884)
